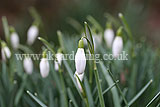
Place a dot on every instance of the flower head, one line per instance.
(5, 51)
(44, 66)
(80, 59)
(32, 34)
(109, 36)
(14, 40)
(59, 60)
(28, 65)
(117, 44)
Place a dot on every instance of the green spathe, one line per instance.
(81, 44)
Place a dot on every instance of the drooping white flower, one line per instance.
(117, 46)
(80, 59)
(14, 40)
(6, 53)
(44, 67)
(32, 34)
(28, 65)
(109, 36)
(80, 76)
(59, 57)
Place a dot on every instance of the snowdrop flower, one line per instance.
(14, 40)
(32, 34)
(59, 57)
(5, 51)
(80, 59)
(28, 65)
(117, 44)
(80, 76)
(44, 66)
(109, 35)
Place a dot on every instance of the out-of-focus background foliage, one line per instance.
(142, 15)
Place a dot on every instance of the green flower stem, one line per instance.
(125, 101)
(63, 90)
(126, 26)
(90, 73)
(83, 92)
(101, 99)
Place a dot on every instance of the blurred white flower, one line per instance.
(32, 34)
(80, 60)
(117, 46)
(28, 65)
(5, 52)
(14, 40)
(109, 36)
(59, 57)
(44, 67)
(80, 76)
(97, 39)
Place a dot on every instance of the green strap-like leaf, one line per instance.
(36, 99)
(153, 99)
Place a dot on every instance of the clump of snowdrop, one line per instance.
(14, 38)
(28, 65)
(32, 34)
(109, 35)
(5, 51)
(117, 44)
(80, 63)
(59, 57)
(44, 66)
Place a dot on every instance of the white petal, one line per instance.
(80, 61)
(14, 40)
(117, 46)
(7, 52)
(80, 76)
(32, 34)
(109, 36)
(28, 65)
(59, 57)
(44, 67)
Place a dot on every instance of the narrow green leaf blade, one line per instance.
(109, 80)
(140, 93)
(70, 94)
(153, 99)
(36, 99)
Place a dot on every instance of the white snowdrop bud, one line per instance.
(59, 57)
(80, 76)
(108, 37)
(32, 34)
(28, 65)
(80, 59)
(44, 67)
(117, 44)
(14, 40)
(5, 51)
